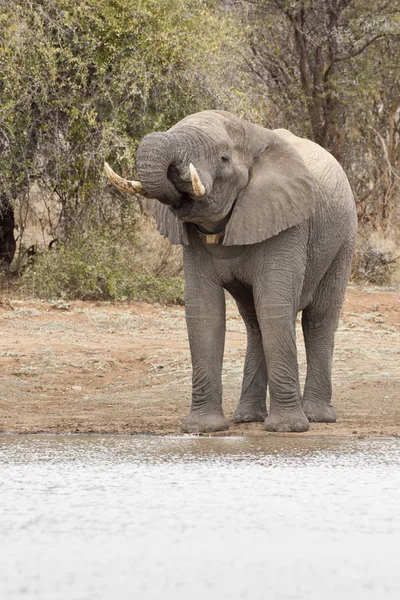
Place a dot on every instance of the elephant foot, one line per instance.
(318, 412)
(248, 413)
(196, 423)
(295, 421)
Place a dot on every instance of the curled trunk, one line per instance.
(156, 153)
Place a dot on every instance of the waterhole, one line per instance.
(101, 517)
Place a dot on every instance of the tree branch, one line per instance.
(350, 55)
(385, 151)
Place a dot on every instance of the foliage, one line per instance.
(329, 70)
(97, 267)
(163, 290)
(81, 81)
(372, 265)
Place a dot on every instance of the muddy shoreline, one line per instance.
(125, 368)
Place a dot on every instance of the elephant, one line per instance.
(270, 217)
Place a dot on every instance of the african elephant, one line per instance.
(271, 218)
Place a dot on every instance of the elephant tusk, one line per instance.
(133, 187)
(198, 188)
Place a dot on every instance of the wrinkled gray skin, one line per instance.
(290, 223)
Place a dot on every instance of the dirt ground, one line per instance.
(125, 368)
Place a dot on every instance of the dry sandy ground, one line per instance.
(85, 367)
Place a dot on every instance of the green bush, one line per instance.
(148, 288)
(97, 267)
(81, 82)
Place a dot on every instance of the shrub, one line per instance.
(97, 267)
(84, 81)
(376, 257)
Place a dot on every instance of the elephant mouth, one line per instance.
(184, 207)
(190, 210)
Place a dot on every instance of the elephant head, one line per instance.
(222, 174)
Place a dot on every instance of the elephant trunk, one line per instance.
(157, 152)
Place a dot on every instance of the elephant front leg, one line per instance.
(279, 339)
(205, 318)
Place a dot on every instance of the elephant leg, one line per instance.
(252, 402)
(277, 319)
(320, 320)
(205, 319)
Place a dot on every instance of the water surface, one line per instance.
(99, 517)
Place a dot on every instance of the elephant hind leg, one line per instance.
(319, 321)
(252, 403)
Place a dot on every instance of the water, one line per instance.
(108, 517)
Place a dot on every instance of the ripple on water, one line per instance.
(126, 517)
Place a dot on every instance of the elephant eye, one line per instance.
(225, 158)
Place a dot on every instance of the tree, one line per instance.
(329, 70)
(80, 81)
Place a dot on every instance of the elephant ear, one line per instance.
(168, 224)
(280, 194)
